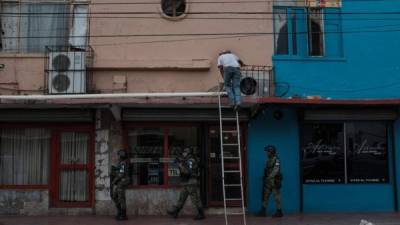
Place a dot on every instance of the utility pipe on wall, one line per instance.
(112, 95)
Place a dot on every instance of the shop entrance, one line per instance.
(72, 169)
(214, 177)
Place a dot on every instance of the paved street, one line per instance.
(298, 219)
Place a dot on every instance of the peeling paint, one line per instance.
(102, 178)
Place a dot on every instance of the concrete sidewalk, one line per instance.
(297, 219)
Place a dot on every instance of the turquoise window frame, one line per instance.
(333, 38)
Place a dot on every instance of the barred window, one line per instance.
(28, 27)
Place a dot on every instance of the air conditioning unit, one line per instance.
(67, 72)
(263, 86)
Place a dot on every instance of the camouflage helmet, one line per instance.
(270, 148)
(122, 153)
(188, 150)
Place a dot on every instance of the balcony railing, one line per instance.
(263, 77)
(256, 81)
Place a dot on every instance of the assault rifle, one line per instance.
(113, 175)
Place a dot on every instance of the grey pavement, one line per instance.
(295, 219)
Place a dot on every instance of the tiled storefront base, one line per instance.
(139, 202)
(24, 202)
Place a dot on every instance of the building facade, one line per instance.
(66, 70)
(336, 124)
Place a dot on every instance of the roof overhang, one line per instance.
(174, 100)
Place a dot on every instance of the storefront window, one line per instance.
(346, 152)
(154, 150)
(367, 152)
(179, 138)
(323, 153)
(24, 156)
(147, 151)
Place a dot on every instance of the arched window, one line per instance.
(315, 33)
(281, 32)
(173, 8)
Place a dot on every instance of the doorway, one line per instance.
(72, 166)
(214, 175)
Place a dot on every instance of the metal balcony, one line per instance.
(263, 77)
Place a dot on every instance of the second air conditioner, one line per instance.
(67, 72)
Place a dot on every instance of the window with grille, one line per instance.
(173, 8)
(28, 27)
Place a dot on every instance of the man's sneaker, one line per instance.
(200, 215)
(173, 213)
(122, 215)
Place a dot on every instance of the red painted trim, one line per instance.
(368, 102)
(53, 170)
(56, 150)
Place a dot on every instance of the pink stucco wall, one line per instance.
(156, 64)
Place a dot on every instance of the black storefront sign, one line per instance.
(344, 152)
(367, 152)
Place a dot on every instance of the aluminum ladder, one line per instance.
(238, 158)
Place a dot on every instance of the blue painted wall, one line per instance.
(265, 130)
(369, 66)
(366, 66)
(348, 198)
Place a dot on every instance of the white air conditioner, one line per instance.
(263, 83)
(67, 72)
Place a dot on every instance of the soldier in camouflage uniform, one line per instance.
(189, 170)
(272, 182)
(119, 183)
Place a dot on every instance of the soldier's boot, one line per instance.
(118, 213)
(173, 213)
(200, 214)
(122, 216)
(278, 213)
(262, 212)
